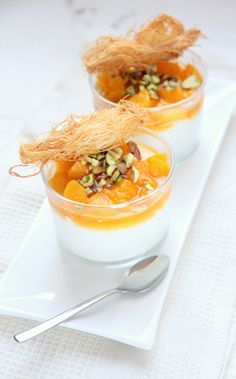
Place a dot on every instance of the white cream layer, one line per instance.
(112, 246)
(183, 137)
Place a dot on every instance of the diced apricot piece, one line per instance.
(125, 148)
(103, 81)
(144, 177)
(99, 199)
(58, 182)
(122, 192)
(172, 95)
(142, 98)
(77, 171)
(154, 103)
(171, 68)
(115, 96)
(158, 165)
(74, 191)
(191, 70)
(63, 166)
(115, 88)
(116, 83)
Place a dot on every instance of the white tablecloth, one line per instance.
(42, 80)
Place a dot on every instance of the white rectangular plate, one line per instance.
(43, 281)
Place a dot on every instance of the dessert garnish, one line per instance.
(79, 136)
(140, 66)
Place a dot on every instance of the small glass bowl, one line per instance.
(178, 123)
(113, 235)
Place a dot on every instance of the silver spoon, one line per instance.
(141, 277)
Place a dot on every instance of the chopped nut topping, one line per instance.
(150, 80)
(135, 174)
(149, 187)
(133, 148)
(110, 160)
(115, 176)
(129, 158)
(108, 168)
(191, 82)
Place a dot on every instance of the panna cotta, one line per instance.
(108, 181)
(153, 68)
(113, 207)
(172, 94)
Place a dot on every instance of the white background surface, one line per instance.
(41, 79)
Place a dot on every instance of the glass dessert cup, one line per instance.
(119, 234)
(178, 123)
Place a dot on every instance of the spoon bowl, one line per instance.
(145, 274)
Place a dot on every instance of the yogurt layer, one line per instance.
(183, 136)
(110, 246)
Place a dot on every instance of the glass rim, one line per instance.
(127, 203)
(164, 107)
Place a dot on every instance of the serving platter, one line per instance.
(43, 280)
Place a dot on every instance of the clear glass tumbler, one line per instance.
(114, 235)
(178, 123)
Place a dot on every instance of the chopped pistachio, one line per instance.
(110, 160)
(147, 78)
(130, 90)
(165, 84)
(126, 78)
(119, 151)
(129, 158)
(152, 87)
(97, 169)
(115, 176)
(149, 187)
(155, 79)
(102, 182)
(191, 82)
(153, 94)
(142, 83)
(94, 162)
(142, 87)
(153, 68)
(88, 191)
(100, 156)
(110, 170)
(135, 174)
(116, 155)
(122, 167)
(87, 180)
(134, 81)
(172, 84)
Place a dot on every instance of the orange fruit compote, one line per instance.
(128, 175)
(164, 84)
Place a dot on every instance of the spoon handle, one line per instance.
(54, 321)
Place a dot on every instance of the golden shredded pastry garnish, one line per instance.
(78, 136)
(162, 38)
